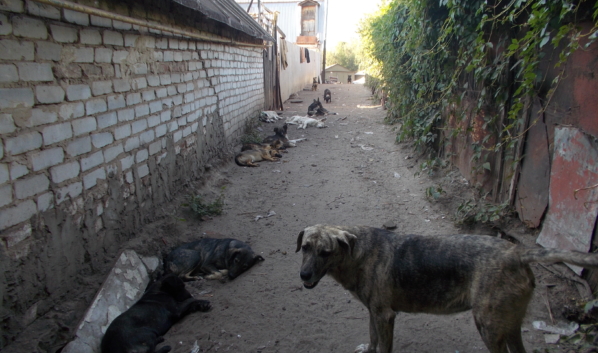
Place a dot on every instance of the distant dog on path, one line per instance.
(440, 274)
(327, 95)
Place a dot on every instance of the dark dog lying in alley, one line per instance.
(437, 274)
(140, 329)
(316, 108)
(213, 258)
(327, 95)
(280, 133)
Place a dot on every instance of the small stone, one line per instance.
(389, 225)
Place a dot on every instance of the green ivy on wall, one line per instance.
(430, 55)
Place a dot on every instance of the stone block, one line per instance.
(31, 186)
(141, 156)
(141, 110)
(49, 94)
(16, 6)
(138, 126)
(27, 27)
(103, 55)
(146, 137)
(8, 73)
(17, 214)
(35, 72)
(116, 102)
(83, 55)
(45, 201)
(79, 146)
(150, 96)
(76, 17)
(7, 124)
(155, 147)
(23, 143)
(18, 170)
(99, 88)
(122, 132)
(113, 38)
(42, 10)
(90, 36)
(38, 117)
(133, 98)
(121, 25)
(16, 50)
(69, 111)
(139, 83)
(132, 143)
(46, 158)
(78, 92)
(56, 133)
(90, 180)
(63, 34)
(102, 139)
(118, 56)
(5, 25)
(94, 106)
(127, 162)
(4, 175)
(106, 120)
(153, 80)
(92, 161)
(5, 195)
(126, 114)
(100, 21)
(112, 152)
(64, 172)
(121, 85)
(84, 125)
(161, 130)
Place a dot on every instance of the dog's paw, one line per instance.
(201, 305)
(362, 348)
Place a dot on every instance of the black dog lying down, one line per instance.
(214, 258)
(140, 329)
(316, 108)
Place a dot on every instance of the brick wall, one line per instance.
(100, 120)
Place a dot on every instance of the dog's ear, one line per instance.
(346, 241)
(300, 240)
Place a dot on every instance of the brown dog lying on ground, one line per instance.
(248, 158)
(276, 145)
(214, 258)
(140, 329)
(440, 274)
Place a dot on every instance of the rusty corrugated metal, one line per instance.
(571, 215)
(532, 196)
(229, 13)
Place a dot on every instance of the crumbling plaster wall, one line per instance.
(100, 122)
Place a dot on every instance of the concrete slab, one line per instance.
(122, 288)
(572, 210)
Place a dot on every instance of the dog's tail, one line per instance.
(237, 161)
(578, 258)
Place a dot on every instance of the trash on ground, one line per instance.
(365, 148)
(270, 214)
(397, 175)
(552, 338)
(368, 133)
(195, 348)
(565, 329)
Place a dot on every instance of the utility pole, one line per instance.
(324, 46)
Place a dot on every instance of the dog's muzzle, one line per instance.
(306, 277)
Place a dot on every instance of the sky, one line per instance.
(344, 17)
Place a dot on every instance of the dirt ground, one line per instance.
(350, 173)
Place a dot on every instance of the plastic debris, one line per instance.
(562, 329)
(270, 214)
(195, 348)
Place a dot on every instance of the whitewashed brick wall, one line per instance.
(86, 101)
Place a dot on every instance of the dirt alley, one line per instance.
(350, 173)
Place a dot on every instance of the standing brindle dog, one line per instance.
(440, 274)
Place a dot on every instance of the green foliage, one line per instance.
(346, 55)
(472, 211)
(585, 338)
(202, 209)
(434, 192)
(431, 55)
